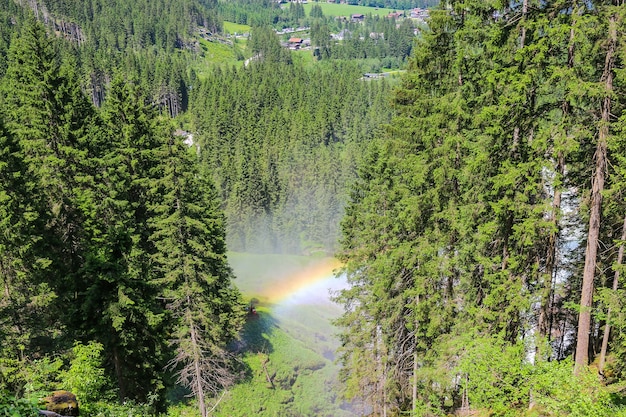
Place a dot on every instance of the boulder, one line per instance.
(63, 403)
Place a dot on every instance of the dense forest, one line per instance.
(283, 152)
(115, 221)
(476, 204)
(484, 238)
(113, 240)
(274, 13)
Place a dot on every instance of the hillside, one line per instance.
(126, 175)
(173, 189)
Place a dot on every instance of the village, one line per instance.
(303, 42)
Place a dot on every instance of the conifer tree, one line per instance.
(472, 172)
(22, 264)
(49, 118)
(118, 299)
(193, 273)
(611, 13)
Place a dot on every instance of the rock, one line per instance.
(63, 403)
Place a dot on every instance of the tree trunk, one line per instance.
(607, 326)
(545, 315)
(597, 186)
(197, 371)
(524, 13)
(118, 373)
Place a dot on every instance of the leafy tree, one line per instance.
(85, 376)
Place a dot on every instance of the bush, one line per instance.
(85, 377)
(14, 407)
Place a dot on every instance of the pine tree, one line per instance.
(612, 15)
(22, 264)
(49, 118)
(193, 273)
(119, 305)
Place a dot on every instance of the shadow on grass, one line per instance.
(255, 336)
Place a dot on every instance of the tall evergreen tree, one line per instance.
(119, 305)
(49, 118)
(472, 171)
(193, 273)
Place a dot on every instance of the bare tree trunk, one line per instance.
(607, 326)
(524, 13)
(118, 374)
(197, 371)
(545, 314)
(597, 186)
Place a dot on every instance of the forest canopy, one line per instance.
(484, 236)
(480, 199)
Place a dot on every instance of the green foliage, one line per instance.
(75, 191)
(461, 238)
(265, 46)
(85, 377)
(283, 181)
(112, 409)
(300, 377)
(192, 272)
(15, 407)
(40, 376)
(500, 385)
(557, 391)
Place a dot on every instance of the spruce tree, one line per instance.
(193, 274)
(49, 118)
(118, 298)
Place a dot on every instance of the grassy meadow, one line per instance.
(216, 53)
(335, 9)
(232, 28)
(288, 345)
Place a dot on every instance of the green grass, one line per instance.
(230, 27)
(302, 383)
(334, 9)
(216, 53)
(305, 58)
(295, 348)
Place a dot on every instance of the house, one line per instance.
(295, 43)
(358, 17)
(345, 33)
(395, 15)
(418, 13)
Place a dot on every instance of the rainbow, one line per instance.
(280, 281)
(310, 285)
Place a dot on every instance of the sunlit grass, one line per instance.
(283, 376)
(214, 53)
(334, 9)
(304, 57)
(230, 27)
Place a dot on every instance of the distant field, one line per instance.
(230, 27)
(304, 57)
(216, 53)
(334, 9)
